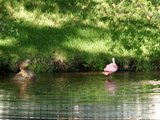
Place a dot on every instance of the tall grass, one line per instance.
(75, 35)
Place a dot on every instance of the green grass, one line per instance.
(76, 35)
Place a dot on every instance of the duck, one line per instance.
(24, 73)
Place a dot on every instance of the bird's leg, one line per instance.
(110, 76)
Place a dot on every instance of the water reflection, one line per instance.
(80, 97)
(23, 86)
(110, 86)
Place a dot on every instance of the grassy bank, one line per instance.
(77, 35)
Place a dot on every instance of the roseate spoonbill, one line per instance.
(24, 73)
(110, 68)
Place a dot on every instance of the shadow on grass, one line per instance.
(45, 45)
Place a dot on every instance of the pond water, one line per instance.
(82, 96)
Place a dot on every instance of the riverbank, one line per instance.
(79, 36)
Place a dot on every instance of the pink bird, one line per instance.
(110, 68)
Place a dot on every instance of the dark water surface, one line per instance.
(81, 96)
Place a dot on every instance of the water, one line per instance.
(81, 96)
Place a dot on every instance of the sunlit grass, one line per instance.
(9, 41)
(87, 46)
(54, 20)
(35, 17)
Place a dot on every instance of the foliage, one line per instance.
(80, 35)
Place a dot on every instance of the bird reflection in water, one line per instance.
(110, 86)
(23, 86)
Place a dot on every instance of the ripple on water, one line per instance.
(81, 97)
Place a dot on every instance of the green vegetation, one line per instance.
(80, 35)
